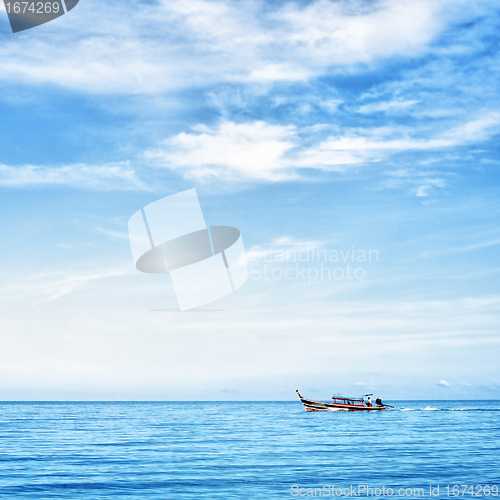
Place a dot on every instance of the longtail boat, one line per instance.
(341, 403)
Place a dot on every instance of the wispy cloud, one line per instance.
(60, 287)
(418, 182)
(275, 77)
(49, 286)
(395, 105)
(262, 151)
(141, 48)
(112, 233)
(378, 142)
(107, 176)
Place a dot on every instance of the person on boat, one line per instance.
(378, 401)
(369, 402)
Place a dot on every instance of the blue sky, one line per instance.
(308, 125)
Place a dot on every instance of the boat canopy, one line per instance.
(347, 401)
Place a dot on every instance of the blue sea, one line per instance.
(247, 450)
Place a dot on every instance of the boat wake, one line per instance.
(421, 409)
(447, 409)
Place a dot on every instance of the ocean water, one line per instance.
(247, 450)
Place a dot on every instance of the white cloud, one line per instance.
(443, 383)
(351, 32)
(386, 106)
(241, 151)
(262, 151)
(376, 144)
(139, 48)
(427, 185)
(366, 144)
(107, 176)
(474, 131)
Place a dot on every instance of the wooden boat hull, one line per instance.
(319, 406)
